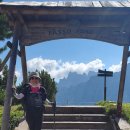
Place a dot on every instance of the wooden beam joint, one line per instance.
(9, 44)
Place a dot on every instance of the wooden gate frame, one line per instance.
(23, 37)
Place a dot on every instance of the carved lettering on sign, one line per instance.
(54, 32)
(58, 32)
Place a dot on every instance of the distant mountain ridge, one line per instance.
(84, 89)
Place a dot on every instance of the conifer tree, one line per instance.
(49, 85)
(5, 31)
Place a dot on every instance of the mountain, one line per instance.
(73, 79)
(84, 89)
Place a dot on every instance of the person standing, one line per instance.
(33, 96)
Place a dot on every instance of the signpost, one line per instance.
(105, 74)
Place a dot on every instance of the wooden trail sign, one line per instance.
(105, 74)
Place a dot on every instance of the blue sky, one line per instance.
(59, 57)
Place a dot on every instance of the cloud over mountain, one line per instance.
(59, 69)
(115, 68)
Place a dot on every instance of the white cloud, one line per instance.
(1, 74)
(59, 69)
(115, 68)
(18, 74)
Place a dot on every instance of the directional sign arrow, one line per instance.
(101, 71)
(105, 74)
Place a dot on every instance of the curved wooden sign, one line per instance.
(107, 21)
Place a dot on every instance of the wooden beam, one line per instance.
(21, 20)
(96, 4)
(116, 38)
(24, 63)
(122, 80)
(46, 24)
(126, 24)
(64, 4)
(10, 16)
(126, 3)
(71, 32)
(9, 44)
(107, 11)
(5, 60)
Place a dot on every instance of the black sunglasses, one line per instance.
(34, 78)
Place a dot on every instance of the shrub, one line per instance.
(110, 107)
(126, 111)
(2, 95)
(15, 115)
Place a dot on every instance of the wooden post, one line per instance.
(122, 80)
(24, 63)
(105, 88)
(8, 94)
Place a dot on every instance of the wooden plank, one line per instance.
(74, 4)
(55, 3)
(80, 3)
(61, 3)
(42, 25)
(44, 4)
(96, 4)
(21, 20)
(119, 40)
(24, 63)
(5, 60)
(68, 3)
(125, 3)
(22, 3)
(66, 11)
(62, 31)
(115, 4)
(9, 44)
(10, 16)
(50, 3)
(89, 4)
(105, 4)
(72, 30)
(125, 25)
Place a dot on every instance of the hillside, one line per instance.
(85, 89)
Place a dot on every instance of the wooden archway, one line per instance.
(34, 22)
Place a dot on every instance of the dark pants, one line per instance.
(34, 118)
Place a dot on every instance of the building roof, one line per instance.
(107, 21)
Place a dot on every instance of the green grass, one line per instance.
(15, 115)
(126, 111)
(110, 108)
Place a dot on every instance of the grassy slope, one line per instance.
(111, 109)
